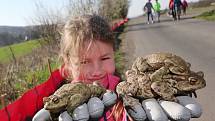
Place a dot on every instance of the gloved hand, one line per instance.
(154, 110)
(94, 108)
(80, 113)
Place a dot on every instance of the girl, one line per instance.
(92, 57)
(87, 54)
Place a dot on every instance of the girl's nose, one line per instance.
(97, 70)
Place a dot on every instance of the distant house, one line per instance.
(26, 38)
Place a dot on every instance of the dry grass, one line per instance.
(27, 72)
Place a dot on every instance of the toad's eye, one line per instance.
(55, 99)
(192, 80)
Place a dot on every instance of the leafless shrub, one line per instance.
(46, 22)
(13, 80)
(50, 21)
(7, 82)
(114, 9)
(81, 7)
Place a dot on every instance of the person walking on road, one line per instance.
(148, 9)
(177, 9)
(184, 6)
(157, 7)
(171, 10)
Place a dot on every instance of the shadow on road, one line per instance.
(145, 27)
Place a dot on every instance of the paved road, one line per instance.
(192, 39)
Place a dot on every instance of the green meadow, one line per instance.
(20, 49)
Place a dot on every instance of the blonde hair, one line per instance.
(85, 28)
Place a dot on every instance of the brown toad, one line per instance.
(140, 86)
(70, 96)
(159, 75)
(163, 63)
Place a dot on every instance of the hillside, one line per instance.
(16, 34)
(16, 30)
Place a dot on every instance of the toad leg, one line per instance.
(164, 90)
(158, 74)
(74, 102)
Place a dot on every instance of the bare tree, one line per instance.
(114, 9)
(80, 7)
(47, 22)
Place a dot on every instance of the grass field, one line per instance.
(210, 15)
(19, 50)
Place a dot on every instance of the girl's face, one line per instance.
(96, 60)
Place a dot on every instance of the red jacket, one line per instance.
(31, 102)
(171, 3)
(184, 4)
(24, 108)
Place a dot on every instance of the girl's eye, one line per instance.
(84, 62)
(106, 58)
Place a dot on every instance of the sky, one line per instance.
(20, 12)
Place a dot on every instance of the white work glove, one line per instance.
(93, 109)
(65, 117)
(42, 115)
(154, 110)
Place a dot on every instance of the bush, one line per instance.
(210, 15)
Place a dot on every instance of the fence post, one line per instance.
(13, 56)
